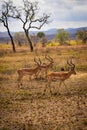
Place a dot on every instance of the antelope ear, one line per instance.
(40, 62)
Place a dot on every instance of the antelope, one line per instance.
(28, 71)
(61, 76)
(44, 67)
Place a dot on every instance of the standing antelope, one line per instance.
(61, 76)
(28, 71)
(44, 67)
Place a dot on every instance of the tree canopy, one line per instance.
(82, 35)
(62, 36)
(40, 34)
(28, 14)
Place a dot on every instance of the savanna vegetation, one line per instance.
(25, 107)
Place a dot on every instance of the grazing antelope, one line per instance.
(28, 71)
(44, 67)
(61, 76)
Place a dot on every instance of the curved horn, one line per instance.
(49, 58)
(73, 65)
(36, 61)
(68, 62)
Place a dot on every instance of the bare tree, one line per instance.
(4, 19)
(28, 14)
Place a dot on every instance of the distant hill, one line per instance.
(73, 31)
(4, 36)
(50, 34)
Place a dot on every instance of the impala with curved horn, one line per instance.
(28, 71)
(60, 76)
(44, 67)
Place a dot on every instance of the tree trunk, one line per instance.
(12, 41)
(84, 41)
(29, 41)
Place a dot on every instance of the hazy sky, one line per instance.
(64, 14)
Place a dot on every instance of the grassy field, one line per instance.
(26, 108)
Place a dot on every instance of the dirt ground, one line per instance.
(26, 108)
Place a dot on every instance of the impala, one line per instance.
(60, 76)
(28, 71)
(44, 67)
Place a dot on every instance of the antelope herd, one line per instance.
(60, 76)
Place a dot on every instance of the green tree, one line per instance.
(40, 34)
(63, 37)
(42, 37)
(82, 35)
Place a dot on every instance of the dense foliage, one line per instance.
(82, 35)
(63, 36)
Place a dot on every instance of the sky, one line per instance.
(63, 14)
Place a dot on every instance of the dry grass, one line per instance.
(26, 108)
